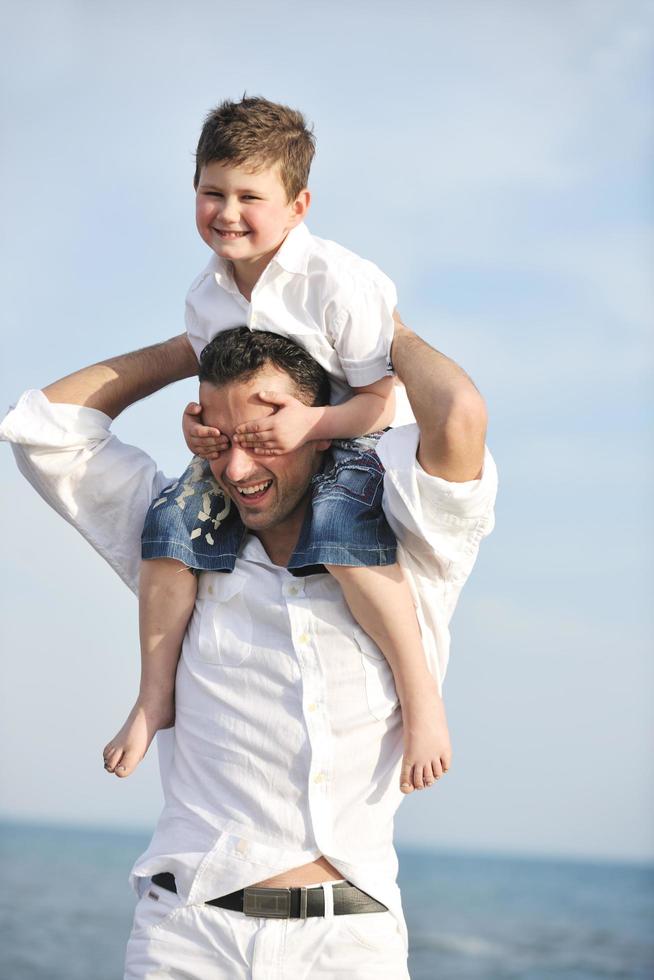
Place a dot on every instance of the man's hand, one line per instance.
(290, 426)
(202, 440)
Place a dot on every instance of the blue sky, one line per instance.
(495, 159)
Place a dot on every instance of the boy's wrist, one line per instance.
(322, 427)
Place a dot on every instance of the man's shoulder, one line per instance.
(408, 485)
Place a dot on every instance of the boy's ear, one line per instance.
(300, 205)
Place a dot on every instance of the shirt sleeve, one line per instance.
(440, 524)
(196, 327)
(362, 327)
(100, 485)
(192, 324)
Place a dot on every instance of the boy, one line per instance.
(252, 167)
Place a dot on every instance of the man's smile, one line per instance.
(255, 492)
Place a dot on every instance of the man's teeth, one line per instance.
(256, 489)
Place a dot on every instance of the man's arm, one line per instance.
(85, 473)
(449, 410)
(112, 385)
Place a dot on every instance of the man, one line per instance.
(273, 855)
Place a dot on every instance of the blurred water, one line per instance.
(487, 918)
(65, 912)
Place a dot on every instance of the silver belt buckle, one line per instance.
(271, 903)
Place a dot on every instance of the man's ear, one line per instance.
(300, 206)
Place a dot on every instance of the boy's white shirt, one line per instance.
(336, 305)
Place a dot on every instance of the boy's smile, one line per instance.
(245, 215)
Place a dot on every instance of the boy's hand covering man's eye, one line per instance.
(289, 427)
(202, 440)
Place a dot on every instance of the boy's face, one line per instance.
(244, 216)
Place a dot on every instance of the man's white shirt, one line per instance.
(288, 738)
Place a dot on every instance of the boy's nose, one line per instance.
(230, 210)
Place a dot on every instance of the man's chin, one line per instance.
(254, 521)
(255, 518)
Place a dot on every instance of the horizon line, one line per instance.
(484, 853)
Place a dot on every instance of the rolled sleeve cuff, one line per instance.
(450, 518)
(37, 422)
(398, 451)
(359, 374)
(98, 484)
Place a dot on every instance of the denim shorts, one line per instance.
(193, 521)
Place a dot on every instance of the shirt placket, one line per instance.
(255, 321)
(267, 286)
(314, 709)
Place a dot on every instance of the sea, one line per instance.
(66, 909)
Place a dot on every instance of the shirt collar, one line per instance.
(293, 255)
(222, 273)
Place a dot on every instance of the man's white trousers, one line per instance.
(202, 942)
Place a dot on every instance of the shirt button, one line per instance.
(313, 706)
(294, 590)
(304, 638)
(319, 777)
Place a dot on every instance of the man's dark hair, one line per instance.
(238, 354)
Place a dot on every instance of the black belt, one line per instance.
(286, 903)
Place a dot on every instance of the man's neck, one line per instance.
(278, 548)
(280, 542)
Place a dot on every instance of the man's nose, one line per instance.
(240, 465)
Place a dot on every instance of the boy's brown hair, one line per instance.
(258, 133)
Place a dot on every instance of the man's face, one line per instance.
(270, 492)
(245, 215)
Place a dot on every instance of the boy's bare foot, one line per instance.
(126, 749)
(427, 750)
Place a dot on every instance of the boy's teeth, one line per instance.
(257, 489)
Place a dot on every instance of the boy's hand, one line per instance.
(289, 427)
(202, 440)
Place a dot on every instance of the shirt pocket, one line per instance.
(155, 909)
(225, 635)
(374, 931)
(380, 685)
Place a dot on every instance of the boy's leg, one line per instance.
(379, 599)
(187, 525)
(167, 591)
